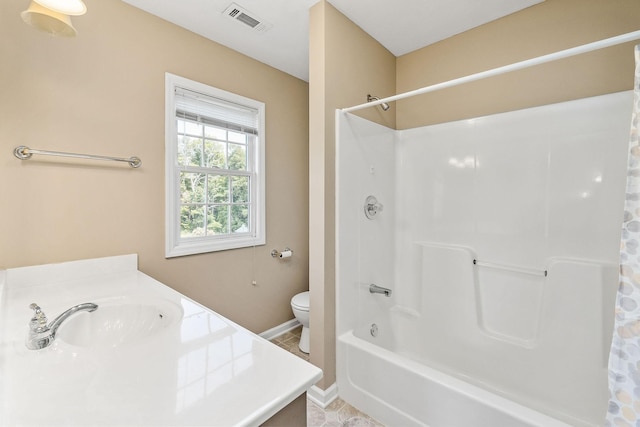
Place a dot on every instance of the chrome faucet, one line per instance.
(42, 335)
(375, 289)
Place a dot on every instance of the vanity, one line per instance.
(147, 356)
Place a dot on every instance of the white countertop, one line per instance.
(198, 368)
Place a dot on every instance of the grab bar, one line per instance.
(530, 271)
(24, 153)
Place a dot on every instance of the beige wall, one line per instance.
(103, 93)
(548, 27)
(346, 64)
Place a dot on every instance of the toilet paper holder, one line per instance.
(286, 253)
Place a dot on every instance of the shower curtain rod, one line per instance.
(635, 35)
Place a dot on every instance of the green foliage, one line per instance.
(218, 201)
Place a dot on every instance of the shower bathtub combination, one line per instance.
(498, 239)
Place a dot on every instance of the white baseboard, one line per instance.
(280, 329)
(323, 398)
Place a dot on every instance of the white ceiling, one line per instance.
(401, 26)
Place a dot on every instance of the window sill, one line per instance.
(205, 246)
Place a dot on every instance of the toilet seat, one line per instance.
(301, 301)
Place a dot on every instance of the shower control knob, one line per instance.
(372, 207)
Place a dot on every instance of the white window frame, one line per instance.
(175, 245)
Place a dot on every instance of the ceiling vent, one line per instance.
(240, 14)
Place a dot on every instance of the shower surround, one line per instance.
(499, 239)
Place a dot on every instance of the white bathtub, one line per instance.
(450, 365)
(398, 391)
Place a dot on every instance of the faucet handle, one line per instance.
(36, 308)
(39, 319)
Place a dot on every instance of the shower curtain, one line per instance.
(624, 360)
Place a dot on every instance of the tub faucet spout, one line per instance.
(42, 335)
(375, 289)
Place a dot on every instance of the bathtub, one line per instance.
(398, 391)
(449, 364)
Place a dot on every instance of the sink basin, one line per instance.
(119, 322)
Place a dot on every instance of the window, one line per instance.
(214, 169)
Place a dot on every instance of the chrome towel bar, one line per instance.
(24, 153)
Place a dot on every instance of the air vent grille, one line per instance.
(240, 14)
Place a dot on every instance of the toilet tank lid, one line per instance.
(301, 299)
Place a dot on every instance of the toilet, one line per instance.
(300, 307)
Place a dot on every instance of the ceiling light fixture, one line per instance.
(67, 7)
(54, 16)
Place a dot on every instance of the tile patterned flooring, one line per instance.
(339, 413)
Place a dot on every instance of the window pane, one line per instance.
(191, 221)
(218, 189)
(192, 187)
(237, 157)
(189, 151)
(237, 137)
(240, 189)
(180, 125)
(193, 128)
(240, 218)
(214, 154)
(214, 132)
(218, 218)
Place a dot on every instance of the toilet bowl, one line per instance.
(300, 307)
